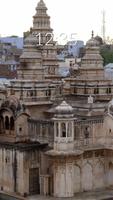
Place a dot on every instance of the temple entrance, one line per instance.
(99, 176)
(110, 174)
(87, 178)
(76, 179)
(51, 185)
(34, 185)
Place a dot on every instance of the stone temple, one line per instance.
(56, 134)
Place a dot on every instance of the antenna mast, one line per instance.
(103, 25)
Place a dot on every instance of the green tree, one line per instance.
(107, 54)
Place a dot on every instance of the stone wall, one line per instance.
(88, 172)
(6, 170)
(88, 133)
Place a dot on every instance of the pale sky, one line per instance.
(67, 16)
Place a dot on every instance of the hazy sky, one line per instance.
(67, 16)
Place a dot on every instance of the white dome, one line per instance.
(92, 43)
(110, 107)
(41, 5)
(64, 109)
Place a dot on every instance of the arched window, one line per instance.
(69, 130)
(31, 93)
(86, 132)
(43, 130)
(48, 92)
(57, 130)
(108, 91)
(1, 124)
(11, 123)
(96, 90)
(7, 123)
(63, 130)
(60, 90)
(75, 90)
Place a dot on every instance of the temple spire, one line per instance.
(92, 34)
(41, 5)
(41, 20)
(39, 46)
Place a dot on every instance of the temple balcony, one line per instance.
(41, 131)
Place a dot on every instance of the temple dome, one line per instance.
(110, 107)
(99, 39)
(12, 102)
(41, 5)
(92, 42)
(92, 57)
(64, 109)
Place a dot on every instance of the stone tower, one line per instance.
(90, 79)
(92, 62)
(38, 80)
(39, 58)
(63, 127)
(64, 153)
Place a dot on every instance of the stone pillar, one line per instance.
(22, 178)
(63, 179)
(44, 184)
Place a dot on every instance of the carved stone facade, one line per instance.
(49, 146)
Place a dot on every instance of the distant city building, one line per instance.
(74, 47)
(14, 40)
(68, 55)
(9, 58)
(82, 52)
(71, 49)
(65, 65)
